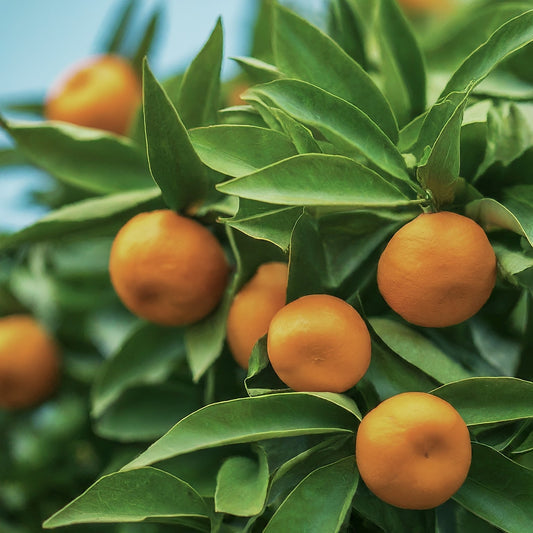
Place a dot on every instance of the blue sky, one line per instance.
(41, 38)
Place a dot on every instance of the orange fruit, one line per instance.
(319, 343)
(167, 268)
(234, 95)
(29, 362)
(253, 307)
(438, 270)
(102, 92)
(413, 450)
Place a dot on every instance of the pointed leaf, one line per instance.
(114, 43)
(302, 50)
(174, 164)
(199, 90)
(338, 120)
(300, 512)
(90, 159)
(239, 150)
(249, 420)
(316, 179)
(133, 496)
(146, 42)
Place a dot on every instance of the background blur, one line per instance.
(36, 48)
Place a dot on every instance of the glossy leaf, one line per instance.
(257, 70)
(317, 179)
(302, 50)
(339, 121)
(199, 90)
(101, 215)
(131, 364)
(300, 512)
(249, 420)
(174, 164)
(498, 490)
(489, 400)
(345, 28)
(240, 150)
(242, 484)
(136, 496)
(90, 159)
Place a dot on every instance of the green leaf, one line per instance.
(258, 71)
(317, 179)
(144, 413)
(403, 70)
(90, 159)
(244, 115)
(114, 42)
(249, 420)
(301, 511)
(508, 38)
(301, 51)
(239, 150)
(339, 121)
(345, 28)
(440, 173)
(199, 90)
(131, 364)
(105, 215)
(146, 42)
(174, 164)
(136, 496)
(242, 484)
(9, 157)
(498, 490)
(301, 136)
(417, 350)
(489, 400)
(514, 265)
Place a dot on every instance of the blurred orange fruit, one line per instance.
(253, 307)
(438, 270)
(102, 92)
(319, 343)
(413, 450)
(29, 362)
(167, 268)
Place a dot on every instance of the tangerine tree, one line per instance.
(381, 380)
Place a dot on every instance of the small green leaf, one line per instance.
(242, 484)
(301, 136)
(258, 71)
(102, 215)
(489, 400)
(339, 121)
(301, 512)
(90, 159)
(317, 179)
(174, 164)
(9, 157)
(239, 150)
(114, 42)
(345, 28)
(131, 364)
(135, 496)
(418, 350)
(403, 69)
(199, 90)
(302, 50)
(498, 490)
(250, 420)
(146, 42)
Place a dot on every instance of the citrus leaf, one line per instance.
(242, 484)
(146, 42)
(257, 70)
(105, 215)
(508, 38)
(114, 42)
(498, 490)
(174, 164)
(239, 150)
(9, 157)
(301, 51)
(300, 512)
(136, 496)
(338, 120)
(417, 350)
(249, 420)
(197, 101)
(345, 28)
(130, 366)
(301, 136)
(90, 159)
(317, 179)
(489, 400)
(403, 67)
